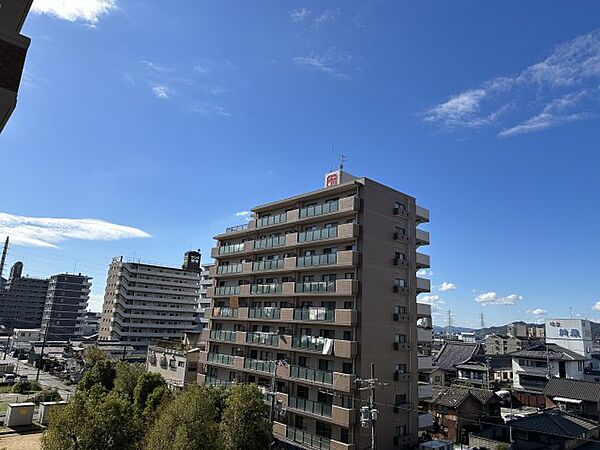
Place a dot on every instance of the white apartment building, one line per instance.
(206, 281)
(147, 303)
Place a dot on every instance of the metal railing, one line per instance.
(315, 286)
(220, 358)
(307, 439)
(303, 404)
(317, 235)
(308, 343)
(269, 264)
(271, 220)
(261, 366)
(317, 210)
(241, 227)
(222, 335)
(316, 375)
(225, 312)
(232, 248)
(214, 381)
(267, 312)
(314, 314)
(316, 260)
(263, 339)
(275, 241)
(271, 288)
(227, 290)
(229, 268)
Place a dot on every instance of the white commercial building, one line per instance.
(573, 334)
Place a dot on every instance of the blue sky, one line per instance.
(162, 123)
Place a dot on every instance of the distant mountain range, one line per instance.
(482, 332)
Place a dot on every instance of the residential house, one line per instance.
(491, 371)
(576, 396)
(450, 355)
(497, 344)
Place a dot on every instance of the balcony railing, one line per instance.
(227, 290)
(220, 358)
(315, 375)
(214, 381)
(241, 227)
(314, 314)
(261, 366)
(308, 343)
(272, 288)
(225, 312)
(307, 439)
(275, 241)
(317, 210)
(222, 335)
(320, 409)
(316, 260)
(271, 220)
(229, 268)
(268, 312)
(233, 248)
(317, 235)
(270, 264)
(315, 286)
(263, 339)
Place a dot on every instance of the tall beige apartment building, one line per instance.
(310, 294)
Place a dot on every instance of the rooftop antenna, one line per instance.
(3, 260)
(343, 159)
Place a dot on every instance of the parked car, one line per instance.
(9, 378)
(23, 379)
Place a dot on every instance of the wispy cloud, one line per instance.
(208, 109)
(560, 89)
(161, 91)
(88, 11)
(47, 232)
(596, 306)
(425, 273)
(333, 62)
(446, 286)
(430, 299)
(300, 14)
(537, 312)
(329, 15)
(491, 298)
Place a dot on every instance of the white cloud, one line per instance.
(332, 62)
(209, 109)
(243, 214)
(425, 273)
(47, 232)
(328, 15)
(161, 91)
(300, 14)
(596, 306)
(560, 89)
(446, 286)
(537, 312)
(430, 298)
(88, 11)
(491, 298)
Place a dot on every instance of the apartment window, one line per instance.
(347, 368)
(323, 429)
(401, 368)
(399, 256)
(399, 310)
(400, 282)
(349, 276)
(580, 366)
(398, 206)
(347, 335)
(399, 233)
(401, 430)
(400, 399)
(344, 435)
(400, 338)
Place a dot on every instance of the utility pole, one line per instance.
(37, 375)
(368, 414)
(449, 330)
(482, 320)
(372, 406)
(273, 391)
(487, 373)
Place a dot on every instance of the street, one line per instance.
(46, 380)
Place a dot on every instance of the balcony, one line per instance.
(228, 269)
(423, 261)
(271, 242)
(222, 335)
(309, 406)
(267, 221)
(224, 312)
(423, 285)
(315, 286)
(225, 291)
(259, 365)
(345, 349)
(308, 343)
(422, 214)
(425, 421)
(312, 375)
(307, 439)
(423, 310)
(314, 314)
(319, 210)
(316, 260)
(265, 289)
(422, 237)
(425, 391)
(318, 235)
(424, 363)
(270, 264)
(424, 335)
(232, 248)
(265, 313)
(259, 338)
(219, 358)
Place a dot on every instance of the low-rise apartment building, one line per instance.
(177, 365)
(308, 297)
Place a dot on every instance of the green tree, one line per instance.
(92, 355)
(102, 373)
(187, 422)
(145, 386)
(126, 378)
(92, 420)
(245, 424)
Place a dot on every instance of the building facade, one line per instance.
(22, 300)
(572, 334)
(89, 325)
(13, 50)
(308, 297)
(205, 283)
(147, 303)
(178, 366)
(65, 306)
